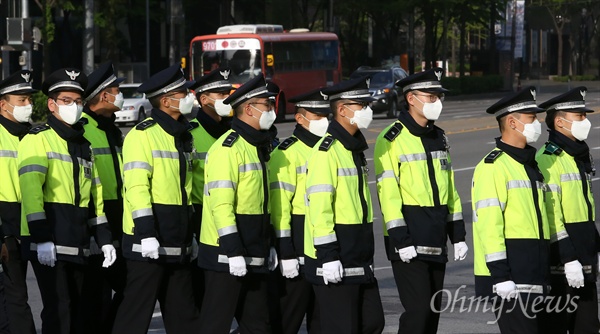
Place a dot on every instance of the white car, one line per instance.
(135, 108)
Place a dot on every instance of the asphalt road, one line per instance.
(471, 133)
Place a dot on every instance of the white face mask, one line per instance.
(317, 127)
(362, 117)
(431, 111)
(267, 118)
(119, 100)
(185, 104)
(579, 129)
(22, 114)
(222, 109)
(531, 131)
(70, 114)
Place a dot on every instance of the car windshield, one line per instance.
(131, 93)
(378, 78)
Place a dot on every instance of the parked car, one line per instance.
(383, 87)
(135, 106)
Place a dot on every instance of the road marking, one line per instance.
(371, 182)
(596, 148)
(383, 268)
(463, 169)
(156, 314)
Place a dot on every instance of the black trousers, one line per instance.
(61, 289)
(519, 316)
(289, 301)
(350, 309)
(227, 296)
(15, 275)
(147, 282)
(417, 283)
(570, 310)
(4, 320)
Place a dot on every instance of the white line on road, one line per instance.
(463, 169)
(383, 268)
(156, 314)
(596, 148)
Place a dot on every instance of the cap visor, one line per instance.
(319, 111)
(434, 90)
(23, 92)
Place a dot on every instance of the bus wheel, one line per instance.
(280, 108)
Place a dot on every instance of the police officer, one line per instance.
(510, 225)
(157, 234)
(15, 117)
(288, 178)
(103, 99)
(61, 203)
(236, 233)
(420, 205)
(338, 239)
(567, 166)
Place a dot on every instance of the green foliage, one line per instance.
(566, 78)
(473, 85)
(40, 107)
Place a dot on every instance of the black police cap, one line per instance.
(103, 77)
(571, 101)
(65, 79)
(215, 81)
(355, 89)
(522, 102)
(168, 80)
(428, 81)
(314, 101)
(18, 83)
(257, 87)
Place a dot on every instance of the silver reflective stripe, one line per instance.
(587, 269)
(454, 216)
(96, 181)
(495, 256)
(97, 221)
(137, 165)
(347, 172)
(227, 230)
(439, 155)
(395, 223)
(348, 272)
(119, 149)
(102, 150)
(413, 157)
(324, 239)
(429, 250)
(220, 184)
(570, 177)
(320, 188)
(559, 236)
(64, 250)
(36, 216)
(33, 168)
(474, 215)
(301, 169)
(168, 251)
(555, 188)
(283, 233)
(250, 167)
(525, 288)
(84, 162)
(8, 154)
(283, 185)
(485, 203)
(301, 260)
(199, 155)
(386, 174)
(141, 213)
(251, 261)
(58, 156)
(513, 184)
(165, 154)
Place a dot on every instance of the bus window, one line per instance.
(305, 55)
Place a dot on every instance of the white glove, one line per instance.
(289, 268)
(507, 290)
(110, 255)
(333, 272)
(94, 249)
(194, 247)
(407, 253)
(272, 263)
(237, 266)
(46, 253)
(150, 248)
(460, 251)
(574, 274)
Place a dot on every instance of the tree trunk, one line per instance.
(461, 48)
(428, 17)
(560, 52)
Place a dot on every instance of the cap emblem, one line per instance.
(438, 74)
(532, 91)
(583, 92)
(72, 74)
(225, 74)
(325, 96)
(26, 76)
(368, 81)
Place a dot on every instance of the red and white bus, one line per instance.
(297, 61)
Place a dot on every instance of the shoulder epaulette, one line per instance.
(287, 143)
(228, 142)
(39, 128)
(393, 132)
(552, 148)
(145, 124)
(194, 125)
(326, 143)
(84, 120)
(490, 158)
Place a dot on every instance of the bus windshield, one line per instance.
(245, 63)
